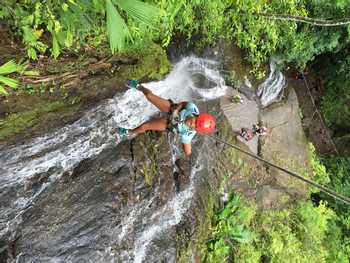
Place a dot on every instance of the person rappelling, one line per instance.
(183, 118)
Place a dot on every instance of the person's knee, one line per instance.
(141, 129)
(144, 127)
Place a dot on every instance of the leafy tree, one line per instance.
(71, 23)
(249, 25)
(339, 169)
(335, 103)
(117, 29)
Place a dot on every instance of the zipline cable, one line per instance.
(322, 188)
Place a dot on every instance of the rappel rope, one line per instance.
(319, 115)
(322, 188)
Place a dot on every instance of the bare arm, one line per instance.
(187, 148)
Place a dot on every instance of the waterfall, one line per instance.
(30, 169)
(271, 90)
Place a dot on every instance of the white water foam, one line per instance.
(170, 215)
(271, 90)
(62, 150)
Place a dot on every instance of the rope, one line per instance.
(319, 114)
(306, 20)
(322, 188)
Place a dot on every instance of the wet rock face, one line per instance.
(74, 218)
(117, 207)
(81, 216)
(284, 144)
(74, 195)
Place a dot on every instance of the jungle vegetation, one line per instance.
(260, 28)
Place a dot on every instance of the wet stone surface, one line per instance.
(81, 215)
(285, 144)
(74, 194)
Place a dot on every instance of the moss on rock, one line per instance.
(152, 63)
(15, 123)
(36, 110)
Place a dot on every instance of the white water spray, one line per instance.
(60, 152)
(271, 90)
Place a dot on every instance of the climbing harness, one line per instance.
(322, 188)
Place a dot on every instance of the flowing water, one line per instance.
(62, 194)
(271, 90)
(34, 173)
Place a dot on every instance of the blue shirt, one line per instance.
(186, 134)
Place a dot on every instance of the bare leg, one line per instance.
(158, 124)
(162, 104)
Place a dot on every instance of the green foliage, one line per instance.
(301, 232)
(335, 103)
(296, 234)
(69, 24)
(319, 170)
(337, 244)
(153, 64)
(116, 28)
(239, 21)
(231, 20)
(229, 228)
(339, 170)
(189, 18)
(9, 68)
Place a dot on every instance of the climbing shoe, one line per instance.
(122, 132)
(132, 84)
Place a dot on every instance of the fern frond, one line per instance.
(140, 11)
(117, 30)
(13, 83)
(8, 68)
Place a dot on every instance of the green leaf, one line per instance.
(3, 91)
(117, 30)
(8, 67)
(31, 73)
(142, 12)
(55, 46)
(32, 53)
(13, 83)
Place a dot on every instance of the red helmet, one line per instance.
(205, 123)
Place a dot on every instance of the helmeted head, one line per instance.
(262, 130)
(205, 123)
